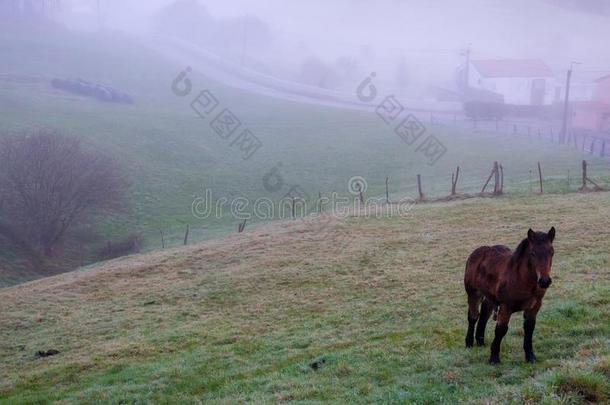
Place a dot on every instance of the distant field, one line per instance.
(171, 154)
(242, 319)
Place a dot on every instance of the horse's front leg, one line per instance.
(529, 323)
(501, 329)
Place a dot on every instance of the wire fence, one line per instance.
(596, 144)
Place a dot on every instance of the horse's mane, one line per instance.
(520, 251)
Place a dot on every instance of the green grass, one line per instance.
(241, 319)
(171, 155)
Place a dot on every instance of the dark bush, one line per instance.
(124, 247)
(48, 183)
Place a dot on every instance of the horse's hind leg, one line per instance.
(474, 298)
(486, 310)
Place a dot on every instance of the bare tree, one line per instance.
(48, 183)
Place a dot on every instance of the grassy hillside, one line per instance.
(243, 318)
(171, 154)
(18, 263)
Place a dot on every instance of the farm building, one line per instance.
(594, 115)
(520, 82)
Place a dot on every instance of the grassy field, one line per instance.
(171, 155)
(244, 318)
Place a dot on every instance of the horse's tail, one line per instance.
(472, 265)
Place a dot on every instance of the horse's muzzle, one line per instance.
(544, 282)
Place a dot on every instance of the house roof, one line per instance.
(602, 79)
(512, 68)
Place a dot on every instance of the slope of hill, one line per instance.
(258, 317)
(172, 155)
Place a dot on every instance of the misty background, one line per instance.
(409, 43)
(104, 71)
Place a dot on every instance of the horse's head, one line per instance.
(541, 255)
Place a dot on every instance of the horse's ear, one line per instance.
(530, 235)
(551, 234)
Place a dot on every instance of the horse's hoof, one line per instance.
(480, 342)
(494, 360)
(469, 343)
(530, 358)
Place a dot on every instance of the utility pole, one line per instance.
(566, 105)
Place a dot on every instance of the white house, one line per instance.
(519, 81)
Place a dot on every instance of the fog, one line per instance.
(266, 201)
(425, 39)
(353, 89)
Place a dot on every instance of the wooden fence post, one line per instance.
(387, 191)
(540, 176)
(186, 234)
(585, 178)
(162, 239)
(603, 151)
(496, 178)
(319, 202)
(488, 180)
(454, 180)
(242, 226)
(501, 179)
(419, 188)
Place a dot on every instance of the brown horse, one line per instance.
(505, 281)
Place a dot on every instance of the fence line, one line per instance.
(587, 142)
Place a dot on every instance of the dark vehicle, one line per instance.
(95, 90)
